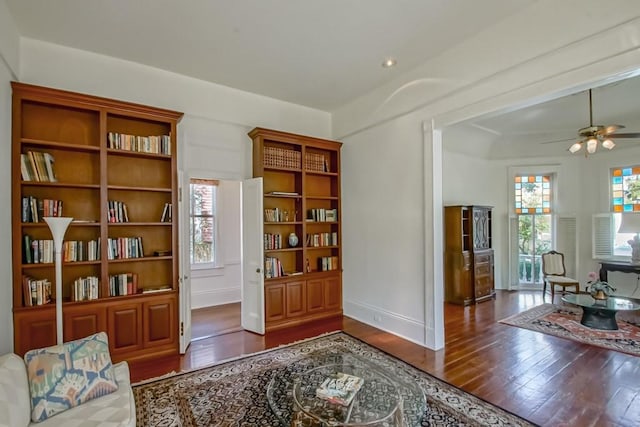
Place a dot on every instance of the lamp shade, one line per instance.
(630, 223)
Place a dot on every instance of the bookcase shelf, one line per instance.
(308, 185)
(83, 175)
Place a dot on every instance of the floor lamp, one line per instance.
(58, 226)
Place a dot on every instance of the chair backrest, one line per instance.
(553, 264)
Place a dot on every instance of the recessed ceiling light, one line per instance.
(389, 62)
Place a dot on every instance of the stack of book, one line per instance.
(167, 213)
(339, 388)
(281, 158)
(117, 211)
(33, 209)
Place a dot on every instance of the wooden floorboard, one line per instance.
(548, 380)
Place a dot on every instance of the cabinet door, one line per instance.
(159, 322)
(315, 295)
(274, 300)
(84, 320)
(332, 293)
(34, 329)
(125, 327)
(296, 304)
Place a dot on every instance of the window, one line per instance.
(625, 197)
(533, 209)
(203, 222)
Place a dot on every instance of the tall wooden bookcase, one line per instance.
(91, 171)
(301, 184)
(468, 262)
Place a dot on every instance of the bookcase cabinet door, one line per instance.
(333, 293)
(34, 329)
(315, 295)
(125, 325)
(274, 299)
(159, 322)
(83, 320)
(296, 304)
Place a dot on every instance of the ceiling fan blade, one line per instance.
(573, 138)
(625, 135)
(612, 128)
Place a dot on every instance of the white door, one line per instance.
(252, 317)
(184, 269)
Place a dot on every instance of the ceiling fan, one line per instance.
(591, 135)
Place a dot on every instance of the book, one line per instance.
(339, 388)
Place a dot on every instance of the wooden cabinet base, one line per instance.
(287, 323)
(139, 327)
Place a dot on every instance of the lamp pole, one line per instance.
(58, 227)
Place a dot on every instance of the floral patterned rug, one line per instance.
(241, 392)
(564, 321)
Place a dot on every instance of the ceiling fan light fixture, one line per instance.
(592, 145)
(575, 147)
(608, 144)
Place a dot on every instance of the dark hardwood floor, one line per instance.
(547, 380)
(209, 322)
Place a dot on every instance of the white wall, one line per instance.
(8, 69)
(513, 64)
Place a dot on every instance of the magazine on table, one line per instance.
(339, 388)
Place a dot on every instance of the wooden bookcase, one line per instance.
(468, 263)
(75, 129)
(301, 184)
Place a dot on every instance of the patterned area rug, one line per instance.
(234, 393)
(564, 321)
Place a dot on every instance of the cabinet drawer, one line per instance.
(483, 286)
(483, 258)
(482, 270)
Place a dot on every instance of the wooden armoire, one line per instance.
(468, 258)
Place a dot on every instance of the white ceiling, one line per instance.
(320, 54)
(531, 131)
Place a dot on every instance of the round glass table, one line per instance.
(600, 314)
(383, 400)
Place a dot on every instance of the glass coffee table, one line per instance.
(385, 399)
(600, 314)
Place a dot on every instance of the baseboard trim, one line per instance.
(215, 297)
(402, 326)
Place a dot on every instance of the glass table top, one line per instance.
(385, 399)
(612, 303)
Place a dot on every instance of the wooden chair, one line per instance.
(554, 274)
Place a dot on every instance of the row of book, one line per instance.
(316, 162)
(41, 251)
(85, 289)
(322, 239)
(322, 215)
(35, 291)
(277, 215)
(281, 158)
(123, 284)
(37, 251)
(273, 268)
(328, 263)
(272, 241)
(160, 144)
(124, 248)
(37, 166)
(79, 250)
(117, 211)
(34, 210)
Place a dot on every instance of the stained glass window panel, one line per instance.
(625, 189)
(532, 194)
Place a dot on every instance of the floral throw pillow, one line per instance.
(64, 376)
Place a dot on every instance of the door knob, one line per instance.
(257, 270)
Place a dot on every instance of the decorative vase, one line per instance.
(599, 295)
(293, 240)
